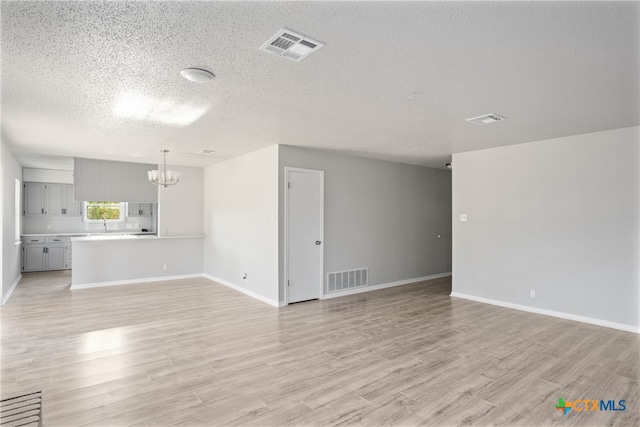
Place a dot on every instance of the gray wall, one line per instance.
(104, 261)
(559, 216)
(182, 205)
(11, 170)
(382, 215)
(240, 222)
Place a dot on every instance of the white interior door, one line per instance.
(304, 228)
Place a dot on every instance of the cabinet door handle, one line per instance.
(43, 210)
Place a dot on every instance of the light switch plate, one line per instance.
(463, 217)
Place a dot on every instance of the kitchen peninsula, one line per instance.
(117, 259)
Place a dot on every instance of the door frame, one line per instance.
(287, 170)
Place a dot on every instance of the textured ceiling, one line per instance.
(551, 68)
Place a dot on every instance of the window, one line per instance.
(18, 211)
(98, 211)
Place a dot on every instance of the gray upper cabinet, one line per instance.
(57, 199)
(139, 209)
(34, 198)
(50, 199)
(72, 207)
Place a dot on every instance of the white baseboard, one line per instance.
(132, 281)
(11, 289)
(561, 315)
(384, 286)
(244, 291)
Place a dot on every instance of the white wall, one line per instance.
(182, 205)
(11, 170)
(240, 220)
(559, 216)
(382, 215)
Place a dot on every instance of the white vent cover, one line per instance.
(485, 119)
(342, 280)
(291, 45)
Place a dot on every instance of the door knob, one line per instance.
(318, 242)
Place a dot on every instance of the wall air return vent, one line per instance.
(343, 280)
(485, 119)
(291, 45)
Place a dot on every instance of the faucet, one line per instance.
(104, 222)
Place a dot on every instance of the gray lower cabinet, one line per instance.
(45, 253)
(55, 257)
(33, 257)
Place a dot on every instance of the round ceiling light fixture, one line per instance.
(197, 75)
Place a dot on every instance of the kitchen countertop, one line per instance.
(113, 236)
(79, 234)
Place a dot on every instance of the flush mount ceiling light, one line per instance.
(197, 75)
(291, 45)
(164, 178)
(205, 151)
(485, 119)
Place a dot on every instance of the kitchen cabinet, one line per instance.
(33, 257)
(56, 196)
(46, 253)
(34, 198)
(54, 257)
(50, 199)
(72, 207)
(139, 209)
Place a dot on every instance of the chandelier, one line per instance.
(164, 177)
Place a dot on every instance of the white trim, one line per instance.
(244, 291)
(132, 281)
(384, 286)
(561, 315)
(11, 289)
(288, 169)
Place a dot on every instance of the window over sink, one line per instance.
(100, 211)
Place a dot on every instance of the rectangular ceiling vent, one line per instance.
(343, 280)
(485, 119)
(291, 45)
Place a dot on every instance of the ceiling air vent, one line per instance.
(485, 119)
(291, 45)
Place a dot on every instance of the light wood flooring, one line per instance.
(195, 353)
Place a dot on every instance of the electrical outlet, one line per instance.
(48, 226)
(532, 293)
(164, 267)
(129, 225)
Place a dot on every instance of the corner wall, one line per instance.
(11, 269)
(240, 223)
(560, 217)
(378, 214)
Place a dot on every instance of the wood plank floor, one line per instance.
(195, 353)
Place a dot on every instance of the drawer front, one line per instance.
(28, 240)
(56, 240)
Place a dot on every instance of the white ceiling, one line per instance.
(551, 68)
